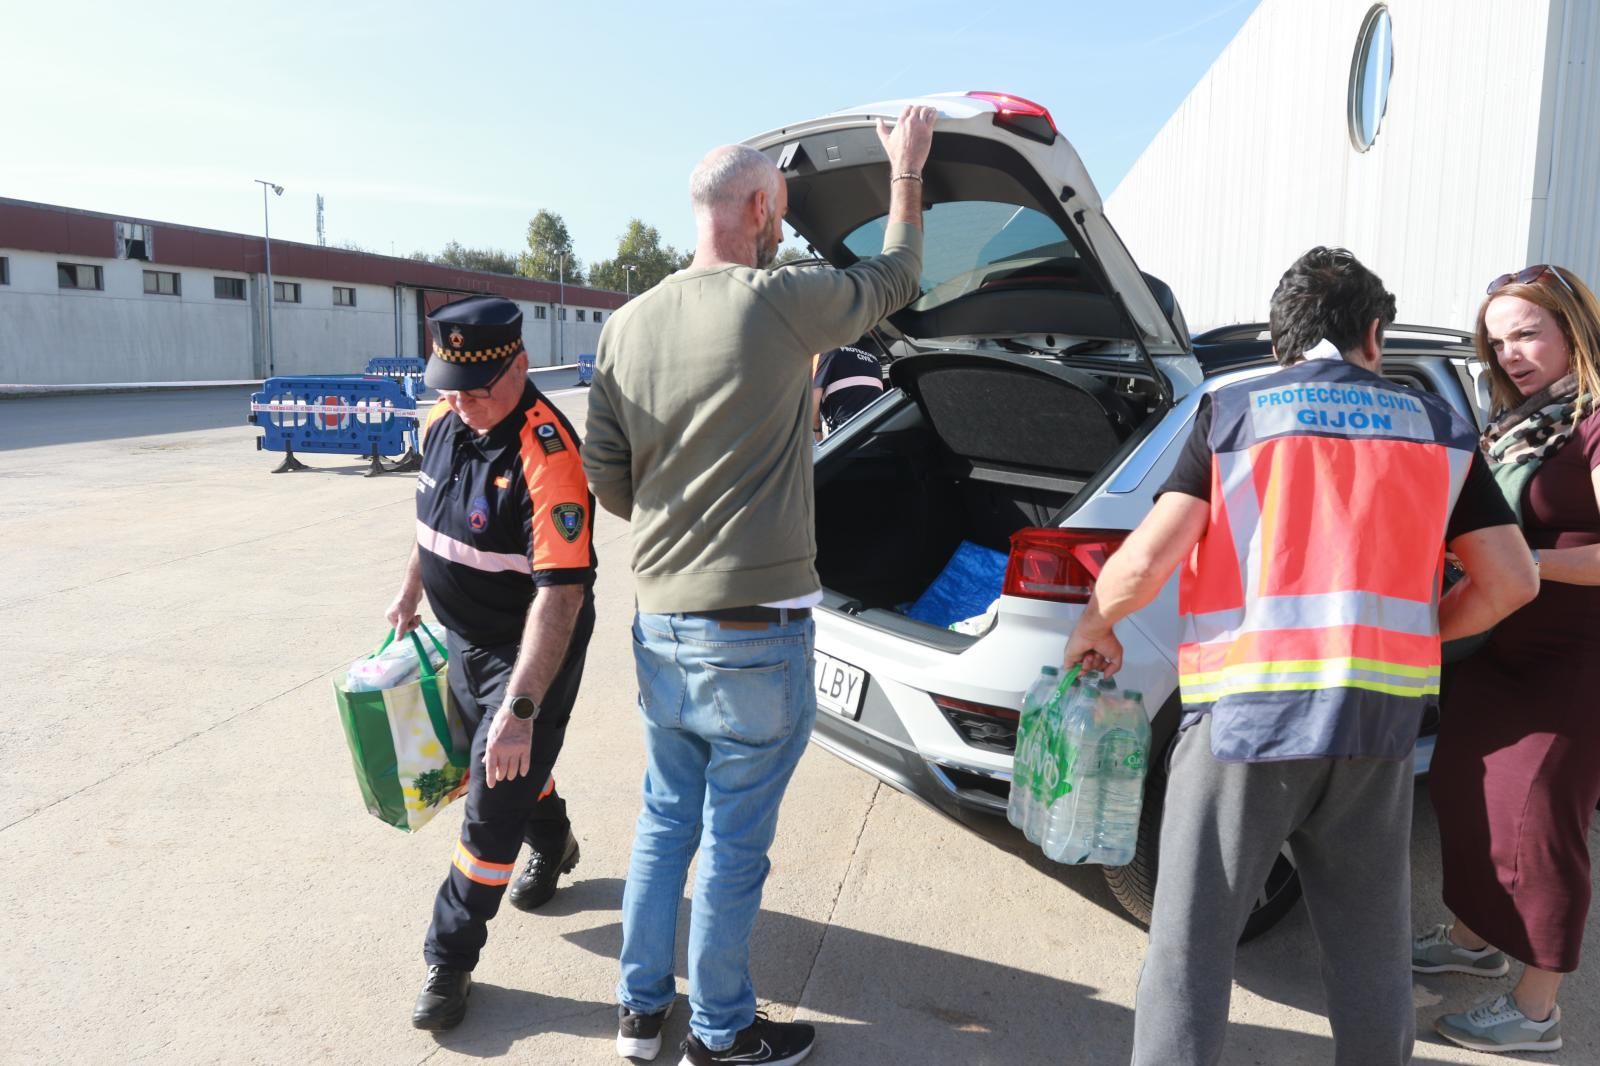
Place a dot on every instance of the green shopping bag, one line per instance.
(408, 745)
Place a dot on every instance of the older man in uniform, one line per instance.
(503, 551)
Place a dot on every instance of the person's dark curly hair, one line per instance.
(1326, 295)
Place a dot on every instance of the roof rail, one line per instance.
(1249, 331)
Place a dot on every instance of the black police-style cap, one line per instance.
(472, 339)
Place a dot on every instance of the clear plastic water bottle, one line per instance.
(1066, 834)
(1110, 780)
(1123, 755)
(1047, 779)
(1025, 761)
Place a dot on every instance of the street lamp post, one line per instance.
(561, 313)
(627, 279)
(266, 235)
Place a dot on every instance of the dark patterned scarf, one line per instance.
(1525, 436)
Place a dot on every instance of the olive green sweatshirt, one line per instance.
(699, 426)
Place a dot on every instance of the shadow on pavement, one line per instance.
(40, 421)
(892, 1003)
(499, 1017)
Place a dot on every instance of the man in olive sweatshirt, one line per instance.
(699, 432)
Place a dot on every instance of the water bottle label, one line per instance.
(1135, 761)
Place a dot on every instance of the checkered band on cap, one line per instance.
(485, 355)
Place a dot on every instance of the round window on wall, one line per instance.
(1369, 78)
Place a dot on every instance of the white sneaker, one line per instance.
(1435, 952)
(1500, 1025)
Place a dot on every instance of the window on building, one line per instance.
(134, 241)
(597, 316)
(162, 283)
(79, 276)
(344, 297)
(5, 270)
(286, 292)
(228, 288)
(538, 312)
(563, 314)
(580, 314)
(1369, 78)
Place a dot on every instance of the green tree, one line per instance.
(549, 247)
(490, 259)
(789, 254)
(639, 247)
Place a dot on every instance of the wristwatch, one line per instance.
(524, 708)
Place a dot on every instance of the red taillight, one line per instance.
(1059, 564)
(1024, 116)
(989, 710)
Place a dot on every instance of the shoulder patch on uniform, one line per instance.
(549, 439)
(568, 520)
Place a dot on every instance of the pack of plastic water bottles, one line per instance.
(1078, 775)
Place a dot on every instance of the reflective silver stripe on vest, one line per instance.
(1460, 463)
(1237, 474)
(1321, 610)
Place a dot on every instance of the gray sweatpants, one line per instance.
(1348, 822)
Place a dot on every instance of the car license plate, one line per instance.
(840, 686)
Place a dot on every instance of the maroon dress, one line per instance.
(1516, 774)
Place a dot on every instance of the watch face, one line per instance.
(523, 707)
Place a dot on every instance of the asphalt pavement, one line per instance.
(190, 875)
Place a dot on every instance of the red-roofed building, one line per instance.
(87, 297)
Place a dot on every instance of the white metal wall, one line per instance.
(1256, 165)
(55, 336)
(316, 337)
(1566, 210)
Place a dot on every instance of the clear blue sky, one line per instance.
(425, 123)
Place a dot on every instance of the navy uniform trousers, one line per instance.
(499, 819)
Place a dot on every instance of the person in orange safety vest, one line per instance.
(1310, 514)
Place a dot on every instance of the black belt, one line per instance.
(753, 614)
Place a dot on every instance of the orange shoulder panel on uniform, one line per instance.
(436, 412)
(559, 491)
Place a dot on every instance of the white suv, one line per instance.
(1040, 389)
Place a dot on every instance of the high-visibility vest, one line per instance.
(1310, 608)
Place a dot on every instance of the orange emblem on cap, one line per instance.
(456, 339)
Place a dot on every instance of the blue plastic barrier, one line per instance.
(586, 370)
(345, 414)
(408, 372)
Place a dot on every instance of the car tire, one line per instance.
(1134, 885)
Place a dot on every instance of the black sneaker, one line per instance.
(537, 882)
(766, 1042)
(442, 1003)
(639, 1035)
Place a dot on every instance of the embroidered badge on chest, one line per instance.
(568, 519)
(549, 439)
(479, 518)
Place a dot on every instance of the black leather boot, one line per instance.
(442, 1003)
(537, 882)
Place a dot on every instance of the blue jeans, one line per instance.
(727, 713)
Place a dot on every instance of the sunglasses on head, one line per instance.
(1528, 276)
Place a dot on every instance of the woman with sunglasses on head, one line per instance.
(1516, 774)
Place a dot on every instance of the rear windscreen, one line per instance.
(973, 244)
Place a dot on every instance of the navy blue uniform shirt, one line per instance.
(500, 515)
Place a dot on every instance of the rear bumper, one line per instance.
(972, 795)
